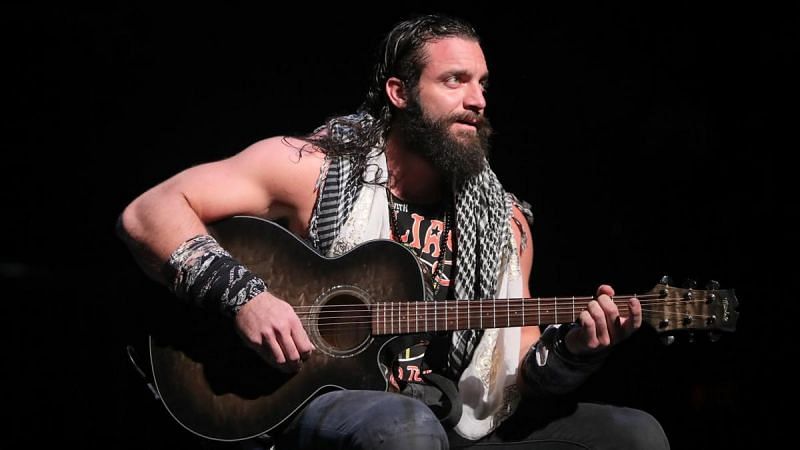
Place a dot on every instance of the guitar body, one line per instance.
(216, 387)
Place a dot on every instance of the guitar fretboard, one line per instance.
(422, 317)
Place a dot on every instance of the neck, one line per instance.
(411, 176)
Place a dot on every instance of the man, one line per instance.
(409, 165)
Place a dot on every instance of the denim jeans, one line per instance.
(364, 420)
(380, 420)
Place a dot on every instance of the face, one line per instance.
(443, 118)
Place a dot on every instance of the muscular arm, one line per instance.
(268, 179)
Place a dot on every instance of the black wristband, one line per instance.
(559, 347)
(549, 368)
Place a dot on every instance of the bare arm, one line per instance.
(522, 235)
(269, 179)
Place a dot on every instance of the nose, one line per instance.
(475, 100)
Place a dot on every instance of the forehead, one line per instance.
(454, 54)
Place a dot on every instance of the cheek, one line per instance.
(440, 105)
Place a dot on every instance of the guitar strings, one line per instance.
(404, 309)
(368, 319)
(366, 326)
(554, 302)
(504, 316)
(446, 308)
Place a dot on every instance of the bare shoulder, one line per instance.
(288, 168)
(284, 152)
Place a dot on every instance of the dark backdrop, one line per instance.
(650, 140)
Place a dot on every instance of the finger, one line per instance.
(589, 330)
(611, 316)
(634, 320)
(301, 340)
(275, 353)
(601, 326)
(289, 350)
(605, 289)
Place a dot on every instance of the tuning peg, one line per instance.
(712, 285)
(690, 283)
(690, 337)
(667, 339)
(714, 336)
(666, 279)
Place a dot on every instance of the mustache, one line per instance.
(479, 121)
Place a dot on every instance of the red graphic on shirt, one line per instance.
(410, 364)
(424, 235)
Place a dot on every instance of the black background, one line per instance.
(650, 140)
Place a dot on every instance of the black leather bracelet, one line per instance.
(559, 347)
(549, 368)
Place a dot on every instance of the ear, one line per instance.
(396, 91)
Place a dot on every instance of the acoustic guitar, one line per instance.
(359, 310)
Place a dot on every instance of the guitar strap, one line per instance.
(447, 409)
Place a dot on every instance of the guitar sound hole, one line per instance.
(343, 324)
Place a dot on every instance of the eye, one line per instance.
(452, 81)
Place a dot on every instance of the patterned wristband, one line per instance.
(207, 275)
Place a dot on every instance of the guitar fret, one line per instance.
(494, 313)
(555, 310)
(391, 316)
(573, 308)
(539, 307)
(435, 318)
(456, 327)
(416, 317)
(400, 317)
(508, 312)
(523, 312)
(445, 315)
(426, 317)
(408, 317)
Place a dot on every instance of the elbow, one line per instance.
(128, 222)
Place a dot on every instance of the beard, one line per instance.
(457, 156)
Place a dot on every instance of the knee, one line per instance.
(639, 430)
(400, 422)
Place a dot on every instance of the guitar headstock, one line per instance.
(669, 309)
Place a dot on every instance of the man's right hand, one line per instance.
(271, 327)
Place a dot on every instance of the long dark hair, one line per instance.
(400, 55)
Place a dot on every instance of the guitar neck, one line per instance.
(450, 315)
